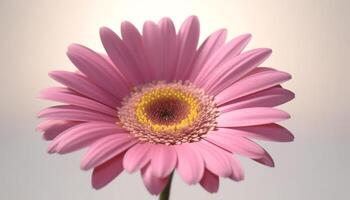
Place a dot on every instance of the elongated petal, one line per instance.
(258, 70)
(169, 48)
(269, 132)
(154, 185)
(206, 50)
(252, 84)
(164, 159)
(237, 170)
(190, 163)
(234, 69)
(105, 173)
(188, 36)
(52, 128)
(64, 90)
(97, 69)
(137, 157)
(251, 116)
(267, 98)
(83, 135)
(153, 48)
(56, 94)
(235, 144)
(105, 149)
(74, 113)
(210, 182)
(266, 160)
(47, 124)
(133, 40)
(226, 52)
(120, 55)
(215, 159)
(85, 87)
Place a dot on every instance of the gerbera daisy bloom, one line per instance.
(158, 104)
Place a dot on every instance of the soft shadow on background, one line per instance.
(310, 40)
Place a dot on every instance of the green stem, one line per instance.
(166, 192)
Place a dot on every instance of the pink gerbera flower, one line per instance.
(157, 104)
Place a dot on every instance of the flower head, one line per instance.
(157, 103)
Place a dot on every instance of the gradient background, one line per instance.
(310, 39)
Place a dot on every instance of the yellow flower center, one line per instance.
(167, 109)
(168, 113)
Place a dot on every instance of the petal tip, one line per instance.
(266, 160)
(95, 184)
(267, 51)
(56, 74)
(165, 20)
(247, 36)
(51, 149)
(290, 138)
(73, 47)
(84, 165)
(193, 17)
(52, 74)
(239, 179)
(125, 23)
(128, 168)
(104, 31)
(148, 24)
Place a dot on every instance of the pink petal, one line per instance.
(47, 124)
(252, 84)
(164, 160)
(74, 113)
(188, 36)
(168, 41)
(215, 158)
(251, 116)
(210, 182)
(154, 185)
(259, 70)
(137, 156)
(237, 170)
(108, 59)
(52, 128)
(97, 69)
(190, 164)
(120, 55)
(269, 132)
(133, 40)
(266, 160)
(206, 50)
(153, 49)
(83, 135)
(106, 148)
(222, 55)
(235, 144)
(85, 87)
(105, 173)
(64, 90)
(234, 69)
(56, 94)
(267, 98)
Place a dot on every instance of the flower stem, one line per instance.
(166, 192)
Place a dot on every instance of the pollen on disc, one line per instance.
(168, 113)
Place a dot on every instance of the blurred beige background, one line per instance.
(310, 39)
